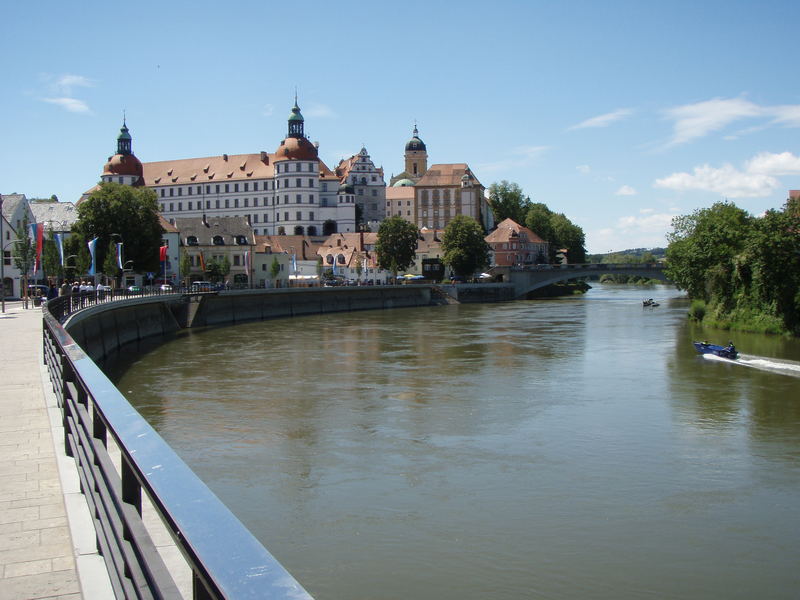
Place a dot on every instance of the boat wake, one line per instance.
(773, 365)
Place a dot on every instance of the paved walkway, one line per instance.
(43, 553)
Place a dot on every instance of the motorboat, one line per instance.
(649, 302)
(728, 351)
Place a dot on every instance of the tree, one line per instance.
(397, 244)
(110, 264)
(218, 269)
(130, 213)
(185, 265)
(537, 219)
(508, 202)
(24, 254)
(274, 269)
(463, 245)
(702, 247)
(51, 259)
(359, 267)
(568, 236)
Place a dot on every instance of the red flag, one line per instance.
(202, 262)
(162, 253)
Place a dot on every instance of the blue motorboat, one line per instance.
(728, 351)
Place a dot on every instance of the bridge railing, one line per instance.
(594, 267)
(225, 559)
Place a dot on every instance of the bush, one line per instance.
(697, 310)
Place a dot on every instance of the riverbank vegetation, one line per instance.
(637, 256)
(741, 272)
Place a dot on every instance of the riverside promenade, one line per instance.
(47, 545)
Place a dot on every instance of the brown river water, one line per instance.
(566, 448)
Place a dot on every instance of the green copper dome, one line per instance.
(295, 114)
(403, 183)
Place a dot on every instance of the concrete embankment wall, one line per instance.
(103, 329)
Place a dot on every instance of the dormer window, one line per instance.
(217, 240)
(191, 240)
(241, 240)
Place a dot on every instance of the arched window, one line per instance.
(340, 259)
(191, 240)
(298, 230)
(312, 230)
(217, 240)
(329, 259)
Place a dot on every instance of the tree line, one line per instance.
(741, 271)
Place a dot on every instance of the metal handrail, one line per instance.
(226, 560)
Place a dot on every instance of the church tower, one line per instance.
(416, 157)
(295, 122)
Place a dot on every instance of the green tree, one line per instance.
(702, 249)
(51, 259)
(110, 265)
(185, 265)
(24, 255)
(463, 246)
(397, 244)
(508, 202)
(126, 211)
(359, 267)
(218, 269)
(537, 219)
(568, 236)
(274, 269)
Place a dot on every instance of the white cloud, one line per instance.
(692, 121)
(767, 163)
(725, 181)
(626, 190)
(603, 120)
(757, 180)
(636, 231)
(70, 104)
(269, 109)
(583, 169)
(696, 120)
(65, 83)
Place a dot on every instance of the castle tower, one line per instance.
(416, 156)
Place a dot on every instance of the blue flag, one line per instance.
(119, 255)
(294, 264)
(92, 244)
(59, 237)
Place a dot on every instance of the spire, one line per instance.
(124, 139)
(295, 121)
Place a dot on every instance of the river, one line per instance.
(567, 448)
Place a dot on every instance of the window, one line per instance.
(217, 188)
(324, 187)
(299, 215)
(227, 203)
(246, 202)
(298, 183)
(255, 218)
(299, 199)
(374, 192)
(120, 179)
(310, 183)
(235, 187)
(286, 199)
(217, 203)
(190, 206)
(266, 218)
(171, 191)
(227, 188)
(208, 189)
(171, 208)
(360, 191)
(311, 216)
(255, 202)
(286, 216)
(311, 198)
(236, 202)
(235, 260)
(180, 191)
(218, 241)
(246, 186)
(162, 192)
(208, 203)
(191, 240)
(180, 205)
(374, 178)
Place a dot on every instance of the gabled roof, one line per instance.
(509, 229)
(204, 229)
(446, 174)
(10, 204)
(56, 215)
(304, 247)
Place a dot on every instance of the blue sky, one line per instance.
(618, 114)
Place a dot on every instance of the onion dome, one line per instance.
(415, 144)
(296, 148)
(123, 164)
(403, 183)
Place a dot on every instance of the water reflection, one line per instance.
(516, 450)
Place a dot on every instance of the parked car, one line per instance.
(165, 287)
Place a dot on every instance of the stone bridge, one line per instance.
(527, 279)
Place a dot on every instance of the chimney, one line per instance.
(205, 222)
(264, 157)
(247, 217)
(224, 157)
